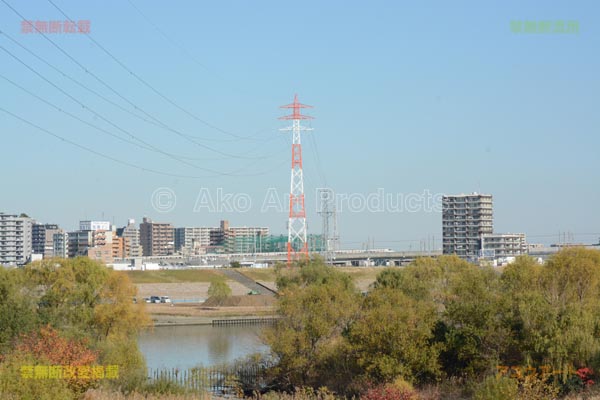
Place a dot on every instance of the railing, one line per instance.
(244, 321)
(216, 379)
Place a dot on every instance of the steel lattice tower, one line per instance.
(297, 244)
(329, 215)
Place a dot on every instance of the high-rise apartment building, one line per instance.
(245, 239)
(60, 244)
(132, 235)
(465, 219)
(93, 239)
(192, 240)
(15, 239)
(224, 238)
(94, 225)
(42, 239)
(156, 238)
(79, 242)
(120, 246)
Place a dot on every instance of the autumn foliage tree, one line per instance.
(66, 305)
(48, 347)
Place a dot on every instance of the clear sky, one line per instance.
(409, 98)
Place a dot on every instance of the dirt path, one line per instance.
(189, 291)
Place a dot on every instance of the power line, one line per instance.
(144, 143)
(88, 71)
(169, 39)
(132, 113)
(109, 101)
(116, 160)
(148, 85)
(84, 68)
(178, 45)
(318, 160)
(100, 154)
(74, 116)
(102, 117)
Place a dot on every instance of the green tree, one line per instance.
(310, 272)
(556, 308)
(219, 290)
(115, 315)
(392, 337)
(68, 290)
(317, 305)
(474, 323)
(17, 310)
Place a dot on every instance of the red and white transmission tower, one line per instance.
(297, 244)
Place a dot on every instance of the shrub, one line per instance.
(496, 388)
(535, 387)
(389, 392)
(48, 347)
(586, 375)
(14, 386)
(132, 366)
(299, 394)
(163, 386)
(402, 384)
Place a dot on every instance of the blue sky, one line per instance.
(409, 97)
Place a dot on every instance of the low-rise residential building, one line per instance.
(501, 245)
(103, 253)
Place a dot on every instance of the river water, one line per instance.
(193, 345)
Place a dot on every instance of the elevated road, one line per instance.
(342, 257)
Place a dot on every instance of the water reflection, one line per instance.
(190, 346)
(219, 345)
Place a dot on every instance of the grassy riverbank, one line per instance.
(198, 314)
(175, 276)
